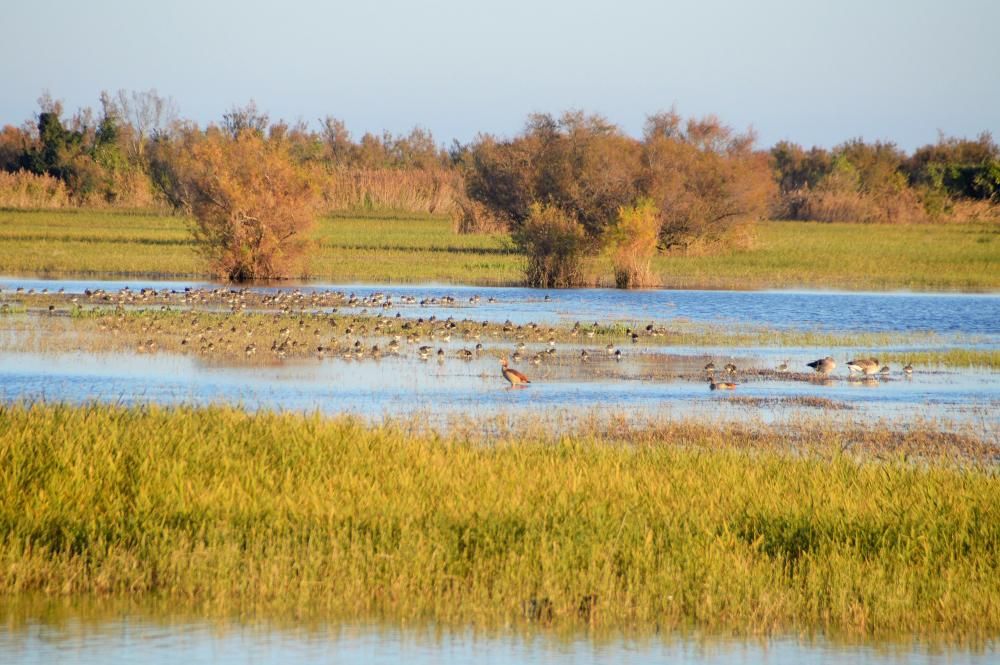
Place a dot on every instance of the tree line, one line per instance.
(566, 187)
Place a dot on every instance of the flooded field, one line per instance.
(432, 355)
(385, 352)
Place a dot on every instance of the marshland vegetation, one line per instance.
(665, 525)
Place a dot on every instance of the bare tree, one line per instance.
(145, 111)
(240, 119)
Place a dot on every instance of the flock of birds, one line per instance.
(868, 367)
(298, 302)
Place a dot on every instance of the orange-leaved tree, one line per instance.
(253, 206)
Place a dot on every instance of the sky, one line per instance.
(816, 73)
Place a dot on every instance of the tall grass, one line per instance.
(674, 526)
(411, 190)
(23, 189)
(633, 242)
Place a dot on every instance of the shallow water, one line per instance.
(650, 381)
(131, 638)
(393, 387)
(971, 314)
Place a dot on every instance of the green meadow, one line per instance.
(393, 248)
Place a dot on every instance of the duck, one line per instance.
(514, 377)
(720, 385)
(823, 365)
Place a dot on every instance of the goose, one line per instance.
(823, 365)
(514, 377)
(867, 366)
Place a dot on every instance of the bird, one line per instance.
(823, 365)
(783, 367)
(720, 385)
(867, 366)
(730, 368)
(908, 370)
(514, 377)
(710, 367)
(885, 370)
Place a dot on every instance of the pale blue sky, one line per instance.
(812, 72)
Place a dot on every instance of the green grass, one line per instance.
(985, 358)
(960, 257)
(673, 526)
(402, 247)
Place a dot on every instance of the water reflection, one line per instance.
(647, 385)
(113, 634)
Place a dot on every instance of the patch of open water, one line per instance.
(136, 639)
(824, 310)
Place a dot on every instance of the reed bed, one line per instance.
(680, 524)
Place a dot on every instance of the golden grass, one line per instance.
(678, 524)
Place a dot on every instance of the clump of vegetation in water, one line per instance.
(736, 527)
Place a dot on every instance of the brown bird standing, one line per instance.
(512, 375)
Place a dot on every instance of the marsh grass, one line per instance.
(679, 524)
(394, 247)
(958, 357)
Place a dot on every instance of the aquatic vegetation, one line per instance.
(956, 357)
(675, 523)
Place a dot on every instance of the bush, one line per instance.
(555, 245)
(581, 164)
(632, 242)
(706, 179)
(253, 207)
(23, 189)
